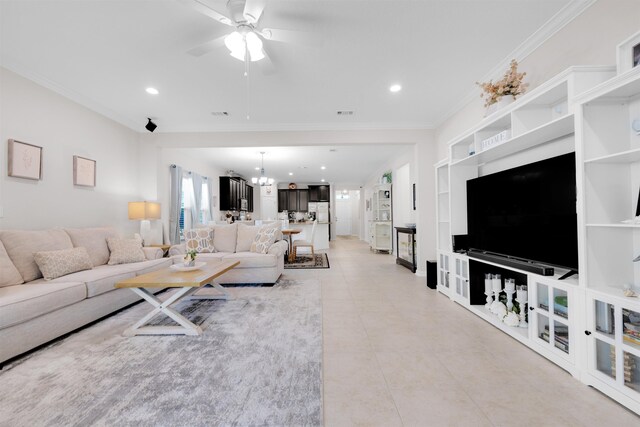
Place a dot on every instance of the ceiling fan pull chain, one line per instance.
(246, 76)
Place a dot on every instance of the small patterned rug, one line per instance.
(258, 362)
(308, 261)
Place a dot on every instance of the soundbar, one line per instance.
(521, 264)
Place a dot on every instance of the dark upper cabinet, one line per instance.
(303, 200)
(293, 200)
(319, 193)
(249, 198)
(292, 203)
(283, 200)
(231, 191)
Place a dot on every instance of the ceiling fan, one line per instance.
(246, 42)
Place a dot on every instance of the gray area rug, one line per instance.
(258, 362)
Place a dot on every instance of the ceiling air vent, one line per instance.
(345, 113)
(220, 113)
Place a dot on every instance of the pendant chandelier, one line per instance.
(262, 180)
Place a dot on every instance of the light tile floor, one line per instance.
(398, 353)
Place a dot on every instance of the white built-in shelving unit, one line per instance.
(610, 156)
(583, 323)
(380, 226)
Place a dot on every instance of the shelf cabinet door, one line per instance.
(443, 273)
(292, 203)
(552, 316)
(249, 198)
(614, 344)
(283, 200)
(324, 193)
(303, 200)
(314, 193)
(461, 275)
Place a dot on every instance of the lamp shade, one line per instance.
(144, 210)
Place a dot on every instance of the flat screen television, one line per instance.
(527, 212)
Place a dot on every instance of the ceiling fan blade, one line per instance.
(253, 10)
(266, 65)
(290, 36)
(207, 47)
(202, 8)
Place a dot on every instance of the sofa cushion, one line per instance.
(138, 268)
(200, 240)
(124, 251)
(224, 237)
(246, 235)
(252, 259)
(54, 264)
(266, 236)
(94, 240)
(179, 259)
(9, 274)
(22, 244)
(24, 302)
(98, 280)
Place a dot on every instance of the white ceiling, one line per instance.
(104, 53)
(348, 164)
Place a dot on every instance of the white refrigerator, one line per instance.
(321, 210)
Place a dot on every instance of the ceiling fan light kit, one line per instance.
(242, 41)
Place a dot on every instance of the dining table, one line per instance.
(289, 232)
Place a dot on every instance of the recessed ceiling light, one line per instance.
(152, 91)
(322, 180)
(290, 173)
(257, 168)
(323, 167)
(395, 88)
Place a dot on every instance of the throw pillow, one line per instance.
(224, 237)
(246, 235)
(54, 264)
(9, 274)
(267, 236)
(125, 251)
(200, 240)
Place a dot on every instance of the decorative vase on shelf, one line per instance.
(499, 104)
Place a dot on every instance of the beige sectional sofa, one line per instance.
(233, 242)
(34, 311)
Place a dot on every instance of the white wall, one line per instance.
(590, 39)
(33, 114)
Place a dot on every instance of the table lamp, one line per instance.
(145, 212)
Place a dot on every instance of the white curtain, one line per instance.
(175, 201)
(212, 198)
(196, 184)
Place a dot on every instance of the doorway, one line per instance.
(347, 213)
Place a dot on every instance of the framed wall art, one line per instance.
(84, 172)
(24, 160)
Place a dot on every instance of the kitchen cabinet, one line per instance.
(293, 200)
(283, 200)
(319, 193)
(232, 190)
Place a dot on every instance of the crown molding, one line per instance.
(299, 127)
(558, 21)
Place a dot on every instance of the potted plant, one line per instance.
(506, 89)
(190, 258)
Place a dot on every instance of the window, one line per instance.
(187, 203)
